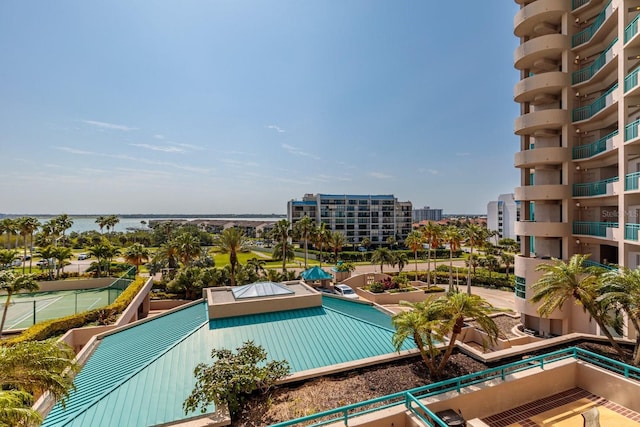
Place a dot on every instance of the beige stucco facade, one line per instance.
(579, 153)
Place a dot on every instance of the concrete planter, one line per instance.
(395, 297)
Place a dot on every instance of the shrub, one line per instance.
(376, 288)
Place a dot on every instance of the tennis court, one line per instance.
(27, 309)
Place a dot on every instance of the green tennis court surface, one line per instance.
(28, 309)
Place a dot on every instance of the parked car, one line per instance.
(325, 290)
(345, 291)
(83, 256)
(16, 263)
(42, 263)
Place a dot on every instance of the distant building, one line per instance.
(376, 217)
(502, 215)
(427, 214)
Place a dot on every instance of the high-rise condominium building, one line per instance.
(427, 214)
(502, 215)
(579, 157)
(376, 217)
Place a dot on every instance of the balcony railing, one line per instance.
(590, 263)
(588, 228)
(586, 112)
(631, 29)
(631, 231)
(586, 73)
(596, 147)
(586, 34)
(631, 181)
(631, 80)
(631, 130)
(597, 188)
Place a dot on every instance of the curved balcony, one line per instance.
(601, 104)
(600, 25)
(541, 156)
(537, 17)
(604, 187)
(593, 149)
(542, 192)
(541, 53)
(542, 229)
(601, 64)
(529, 123)
(596, 229)
(540, 86)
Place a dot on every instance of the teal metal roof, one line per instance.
(315, 273)
(140, 376)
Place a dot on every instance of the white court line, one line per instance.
(26, 316)
(94, 303)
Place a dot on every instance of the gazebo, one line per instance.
(315, 274)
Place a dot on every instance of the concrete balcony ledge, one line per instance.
(542, 229)
(542, 192)
(542, 156)
(539, 12)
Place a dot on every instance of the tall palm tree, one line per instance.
(414, 241)
(621, 291)
(101, 253)
(188, 247)
(257, 265)
(9, 227)
(507, 259)
(112, 220)
(382, 256)
(27, 225)
(432, 233)
(61, 254)
(303, 230)
(400, 259)
(62, 223)
(336, 241)
(136, 254)
(29, 368)
(281, 233)
(232, 240)
(474, 236)
(102, 222)
(11, 284)
(453, 237)
(320, 238)
(562, 282)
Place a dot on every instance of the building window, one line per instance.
(520, 289)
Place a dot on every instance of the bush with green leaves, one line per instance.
(232, 377)
(376, 288)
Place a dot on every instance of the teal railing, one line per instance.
(584, 113)
(521, 287)
(596, 147)
(631, 80)
(631, 29)
(578, 3)
(631, 231)
(590, 263)
(586, 73)
(414, 396)
(586, 34)
(631, 181)
(631, 130)
(597, 188)
(589, 228)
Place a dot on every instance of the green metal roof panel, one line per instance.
(140, 376)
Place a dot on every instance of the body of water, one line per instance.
(89, 223)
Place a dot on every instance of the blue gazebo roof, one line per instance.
(316, 273)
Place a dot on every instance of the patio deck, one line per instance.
(564, 410)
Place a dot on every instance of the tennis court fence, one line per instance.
(26, 310)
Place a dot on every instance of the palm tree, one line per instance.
(366, 242)
(136, 254)
(320, 238)
(621, 291)
(62, 223)
(474, 236)
(414, 241)
(47, 253)
(112, 220)
(257, 265)
(400, 259)
(7, 256)
(100, 252)
(281, 233)
(11, 284)
(507, 259)
(562, 281)
(453, 237)
(336, 241)
(382, 256)
(188, 247)
(8, 226)
(27, 226)
(432, 233)
(232, 240)
(491, 263)
(61, 254)
(29, 368)
(102, 222)
(303, 229)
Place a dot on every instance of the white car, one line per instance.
(83, 256)
(345, 291)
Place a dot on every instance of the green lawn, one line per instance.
(223, 259)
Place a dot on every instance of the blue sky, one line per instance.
(239, 106)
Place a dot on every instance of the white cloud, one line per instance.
(74, 150)
(105, 125)
(298, 152)
(276, 128)
(191, 146)
(165, 148)
(380, 175)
